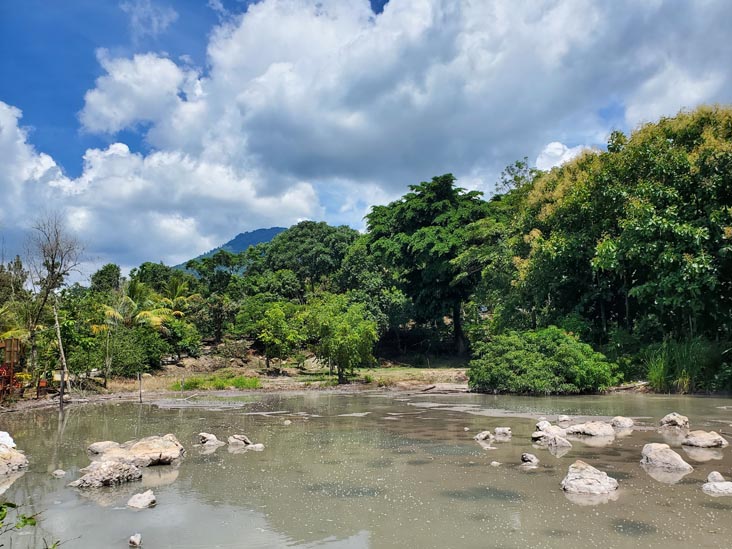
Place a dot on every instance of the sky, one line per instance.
(161, 129)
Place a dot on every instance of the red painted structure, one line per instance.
(10, 350)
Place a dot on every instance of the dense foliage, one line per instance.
(627, 251)
(545, 361)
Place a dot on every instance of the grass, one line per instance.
(218, 381)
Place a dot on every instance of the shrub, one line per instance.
(547, 361)
(218, 382)
(685, 366)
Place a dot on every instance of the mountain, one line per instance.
(241, 242)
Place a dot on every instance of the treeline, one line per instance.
(615, 266)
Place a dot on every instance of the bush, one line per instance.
(547, 361)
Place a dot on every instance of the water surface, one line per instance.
(368, 470)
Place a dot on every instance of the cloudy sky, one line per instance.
(163, 128)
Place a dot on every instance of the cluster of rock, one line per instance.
(485, 438)
(717, 486)
(114, 463)
(237, 443)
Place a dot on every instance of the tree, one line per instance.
(53, 254)
(106, 279)
(280, 331)
(420, 235)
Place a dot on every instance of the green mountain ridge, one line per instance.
(241, 242)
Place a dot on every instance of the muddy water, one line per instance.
(357, 471)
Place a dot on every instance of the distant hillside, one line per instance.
(241, 242)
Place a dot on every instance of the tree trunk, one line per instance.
(461, 345)
(64, 370)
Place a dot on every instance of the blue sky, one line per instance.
(161, 129)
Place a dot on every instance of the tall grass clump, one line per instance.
(218, 381)
(685, 366)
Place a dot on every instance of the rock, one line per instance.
(136, 540)
(564, 419)
(153, 450)
(59, 473)
(287, 422)
(586, 480)
(715, 476)
(6, 481)
(11, 460)
(620, 422)
(239, 440)
(663, 464)
(716, 485)
(258, 447)
(548, 431)
(207, 439)
(502, 432)
(543, 425)
(557, 445)
(542, 418)
(592, 429)
(484, 435)
(675, 420)
(143, 500)
(99, 448)
(495, 464)
(6, 439)
(529, 459)
(703, 439)
(107, 473)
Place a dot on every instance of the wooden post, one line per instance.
(139, 380)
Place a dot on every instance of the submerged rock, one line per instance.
(241, 442)
(153, 450)
(107, 473)
(717, 486)
(703, 439)
(483, 435)
(11, 460)
(674, 420)
(584, 479)
(592, 429)
(59, 473)
(143, 500)
(621, 422)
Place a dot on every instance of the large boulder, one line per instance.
(153, 450)
(143, 500)
(592, 429)
(717, 486)
(107, 473)
(674, 420)
(11, 460)
(586, 480)
(661, 456)
(704, 439)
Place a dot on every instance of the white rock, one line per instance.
(99, 448)
(484, 435)
(529, 459)
(136, 540)
(287, 422)
(715, 476)
(239, 440)
(555, 442)
(564, 419)
(548, 431)
(153, 450)
(107, 473)
(495, 464)
(11, 460)
(584, 479)
(717, 489)
(703, 439)
(620, 422)
(143, 500)
(661, 456)
(502, 433)
(543, 425)
(592, 429)
(59, 473)
(6, 439)
(674, 420)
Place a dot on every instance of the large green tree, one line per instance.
(420, 235)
